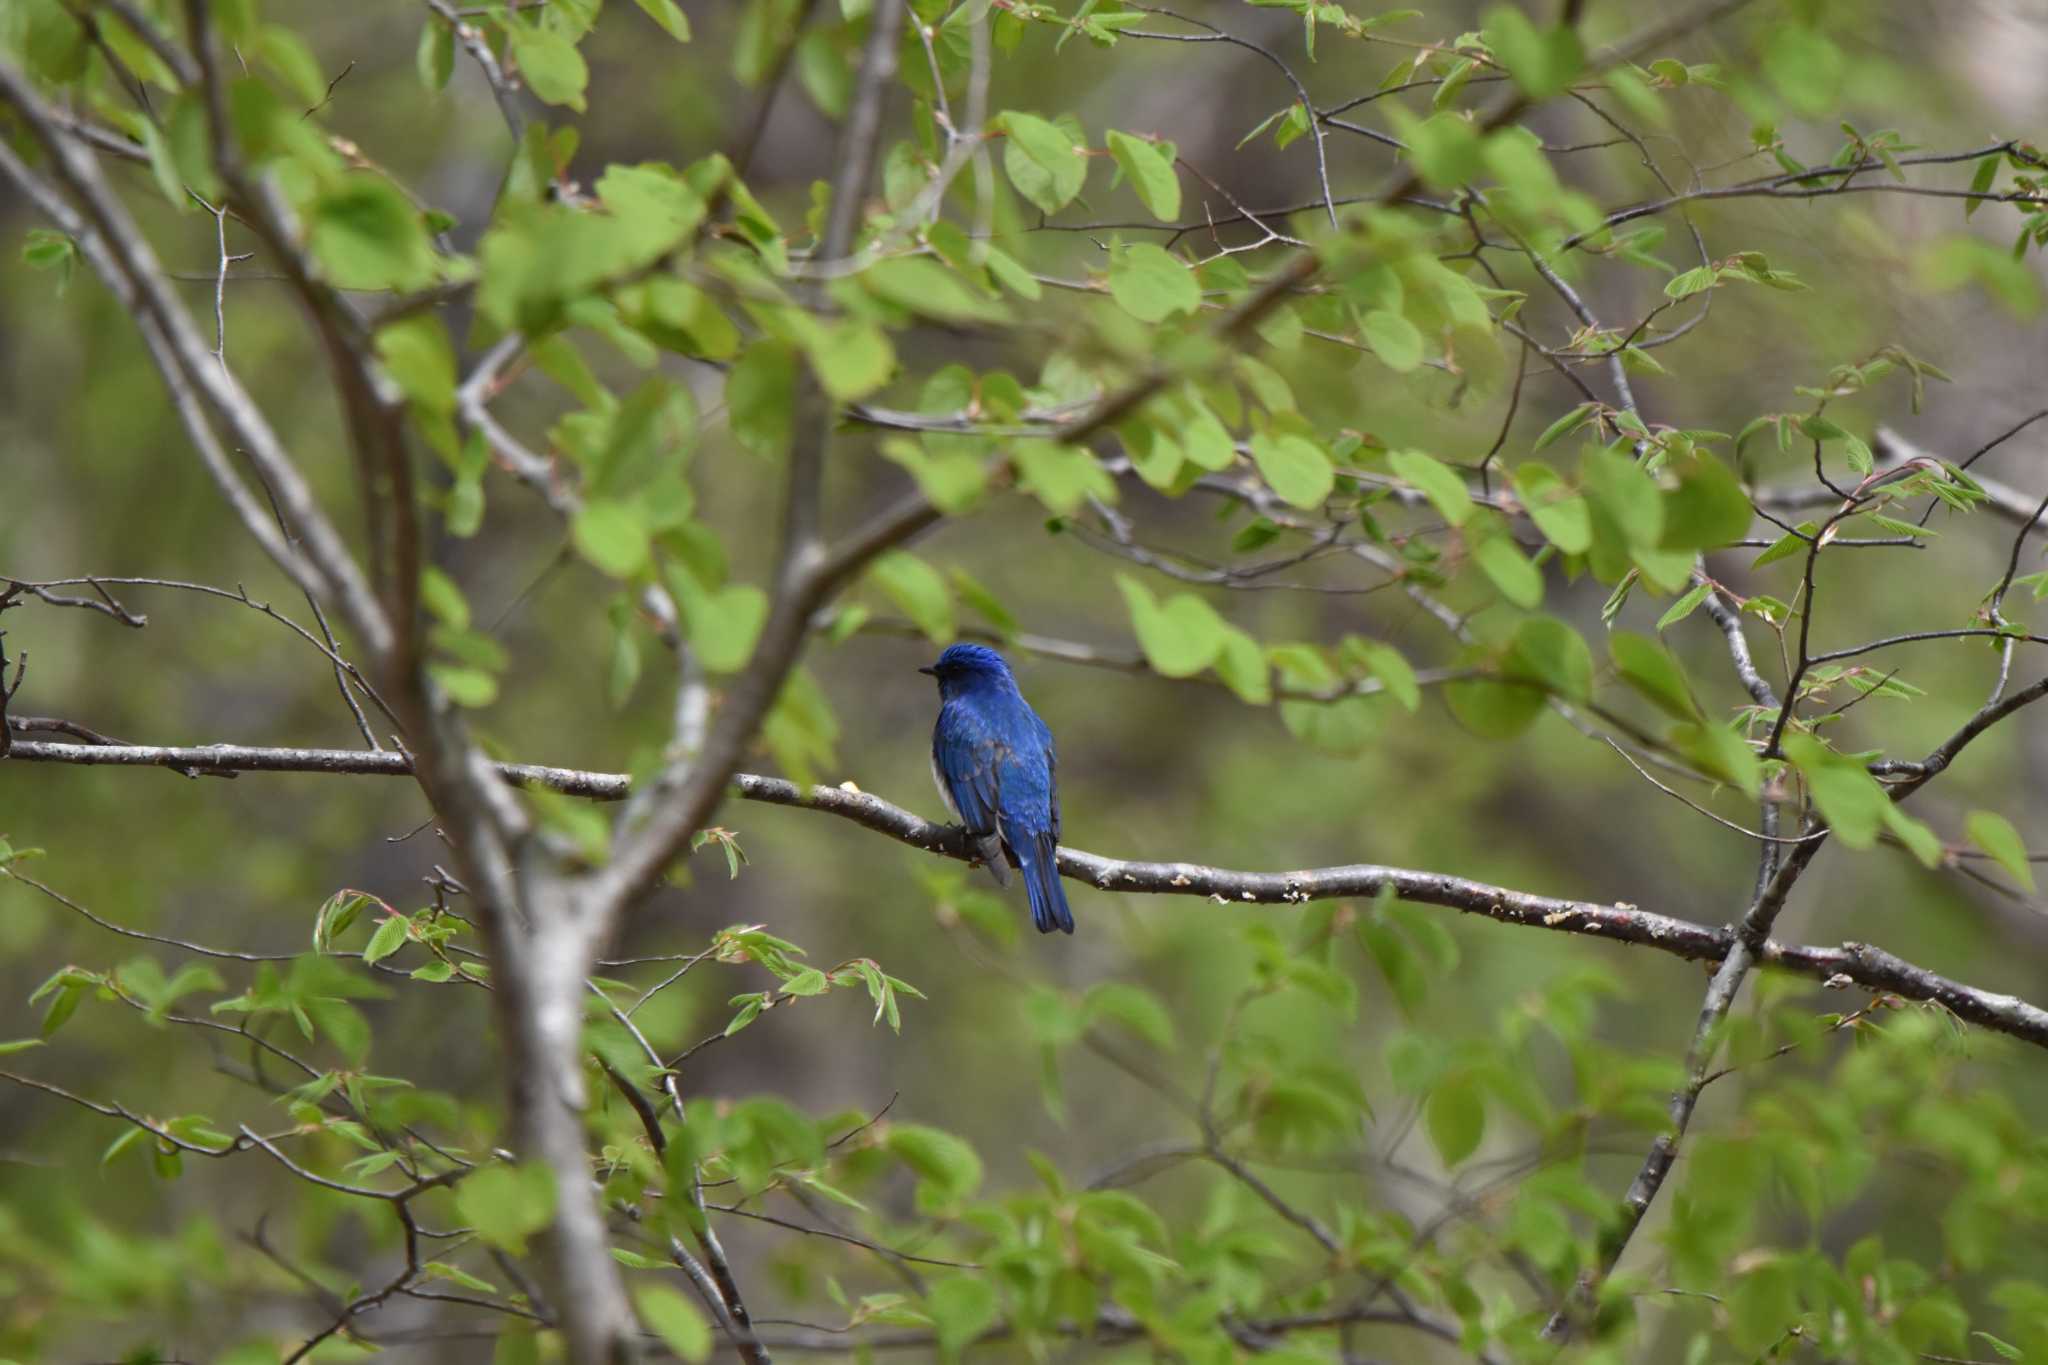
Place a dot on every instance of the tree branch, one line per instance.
(1850, 963)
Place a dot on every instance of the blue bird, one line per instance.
(993, 760)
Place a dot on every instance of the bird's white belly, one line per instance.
(945, 792)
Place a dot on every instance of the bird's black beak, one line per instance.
(933, 671)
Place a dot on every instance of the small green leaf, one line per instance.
(674, 1319)
(1455, 1115)
(1707, 510)
(553, 68)
(389, 938)
(1042, 160)
(1995, 834)
(507, 1204)
(434, 58)
(1493, 708)
(1850, 799)
(1386, 663)
(760, 397)
(947, 1169)
(612, 535)
(1553, 656)
(918, 590)
(852, 359)
(1150, 168)
(1684, 606)
(1441, 484)
(1394, 339)
(1653, 671)
(1294, 466)
(1785, 546)
(1494, 550)
(465, 686)
(672, 20)
(366, 235)
(1542, 61)
(1558, 511)
(924, 286)
(1566, 425)
(962, 1307)
(1152, 284)
(1181, 638)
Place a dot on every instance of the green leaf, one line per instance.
(1242, 666)
(1850, 799)
(852, 359)
(672, 1317)
(472, 687)
(1492, 708)
(1455, 1115)
(1980, 183)
(954, 481)
(1136, 1008)
(507, 1204)
(760, 396)
(1181, 638)
(443, 599)
(47, 250)
(1150, 168)
(1791, 543)
(1542, 61)
(1043, 160)
(1652, 670)
(421, 361)
(1294, 466)
(1686, 283)
(962, 1307)
(1707, 510)
(389, 938)
(612, 535)
(20, 1045)
(1919, 840)
(723, 624)
(1547, 652)
(1152, 284)
(924, 286)
(1566, 425)
(1995, 834)
(1627, 497)
(2004, 1348)
(672, 20)
(1386, 663)
(1394, 339)
(1494, 550)
(1442, 485)
(1684, 606)
(548, 59)
(367, 236)
(1558, 511)
(919, 591)
(1062, 476)
(948, 1170)
(434, 58)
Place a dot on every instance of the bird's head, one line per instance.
(965, 667)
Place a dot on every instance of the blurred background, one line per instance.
(96, 478)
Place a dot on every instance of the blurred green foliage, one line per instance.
(1365, 580)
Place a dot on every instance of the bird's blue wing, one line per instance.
(1052, 774)
(967, 762)
(1028, 803)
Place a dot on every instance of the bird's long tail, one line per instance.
(1039, 860)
